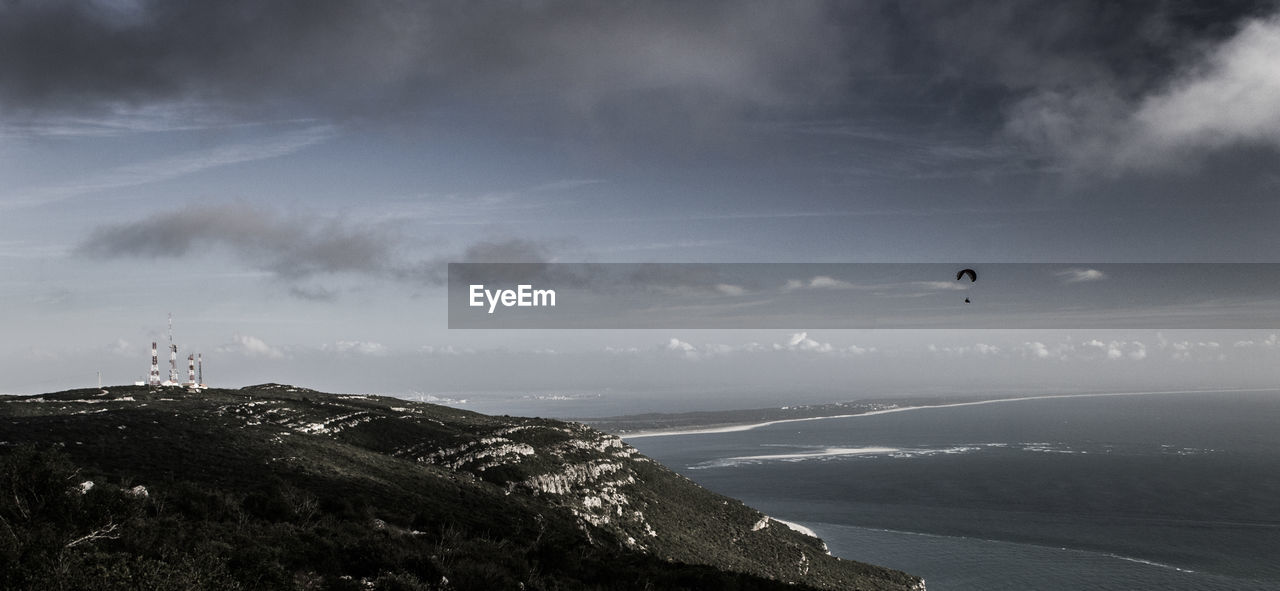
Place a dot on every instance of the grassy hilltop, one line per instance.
(278, 487)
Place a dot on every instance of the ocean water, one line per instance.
(1155, 491)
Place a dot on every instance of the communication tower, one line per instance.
(154, 378)
(173, 354)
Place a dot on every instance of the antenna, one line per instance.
(173, 354)
(200, 369)
(154, 378)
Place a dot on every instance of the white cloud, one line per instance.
(1184, 350)
(730, 290)
(1135, 350)
(1271, 341)
(682, 348)
(982, 349)
(251, 346)
(444, 350)
(1062, 351)
(361, 347)
(800, 341)
(1038, 350)
(678, 345)
(1232, 97)
(818, 282)
(1229, 96)
(825, 282)
(690, 351)
(943, 285)
(1081, 275)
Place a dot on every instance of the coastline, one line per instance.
(733, 428)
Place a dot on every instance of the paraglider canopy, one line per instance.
(973, 277)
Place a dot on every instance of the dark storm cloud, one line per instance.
(336, 58)
(288, 247)
(362, 55)
(292, 248)
(66, 55)
(1039, 71)
(1037, 44)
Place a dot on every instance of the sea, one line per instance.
(1169, 491)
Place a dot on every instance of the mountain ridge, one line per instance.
(450, 499)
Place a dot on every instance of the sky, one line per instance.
(290, 180)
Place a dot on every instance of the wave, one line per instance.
(827, 453)
(1150, 562)
(837, 452)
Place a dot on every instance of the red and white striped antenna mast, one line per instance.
(154, 378)
(173, 354)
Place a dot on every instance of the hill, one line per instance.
(279, 487)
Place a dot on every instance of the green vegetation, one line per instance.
(276, 487)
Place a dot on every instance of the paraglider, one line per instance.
(973, 278)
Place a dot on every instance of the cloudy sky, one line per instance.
(290, 178)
